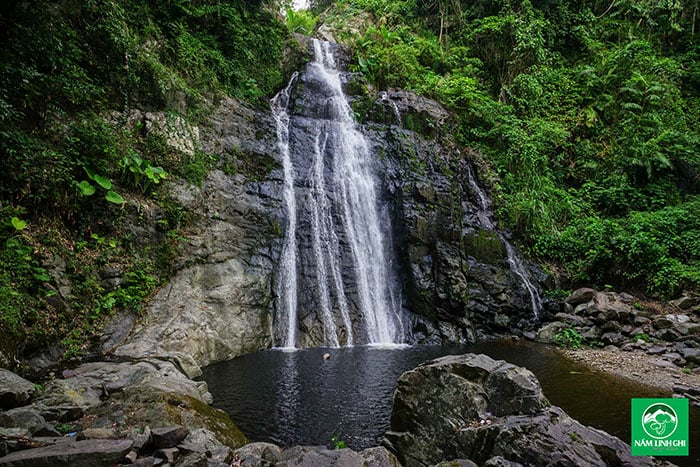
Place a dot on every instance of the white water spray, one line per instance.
(345, 227)
(287, 279)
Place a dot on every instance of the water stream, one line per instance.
(287, 279)
(335, 236)
(514, 262)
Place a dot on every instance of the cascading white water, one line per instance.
(516, 265)
(287, 279)
(339, 197)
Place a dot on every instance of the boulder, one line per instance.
(91, 383)
(15, 391)
(218, 304)
(168, 436)
(473, 407)
(691, 355)
(379, 457)
(307, 456)
(579, 296)
(29, 419)
(255, 454)
(88, 453)
(549, 330)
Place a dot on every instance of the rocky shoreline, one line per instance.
(641, 368)
(150, 411)
(462, 410)
(650, 343)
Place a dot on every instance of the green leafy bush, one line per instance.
(568, 338)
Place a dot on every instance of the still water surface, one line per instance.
(297, 397)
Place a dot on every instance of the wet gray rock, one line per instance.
(457, 463)
(15, 391)
(379, 457)
(193, 459)
(579, 296)
(306, 456)
(67, 398)
(472, 407)
(218, 306)
(258, 454)
(141, 437)
(691, 355)
(499, 461)
(548, 331)
(88, 453)
(204, 438)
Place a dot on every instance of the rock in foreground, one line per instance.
(86, 453)
(473, 407)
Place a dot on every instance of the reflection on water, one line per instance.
(291, 398)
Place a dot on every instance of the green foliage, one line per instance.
(73, 147)
(643, 337)
(301, 22)
(140, 172)
(568, 338)
(585, 112)
(338, 443)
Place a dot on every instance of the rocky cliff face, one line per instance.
(219, 303)
(455, 277)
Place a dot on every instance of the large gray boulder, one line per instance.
(88, 453)
(15, 391)
(473, 407)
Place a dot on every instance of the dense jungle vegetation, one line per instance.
(76, 176)
(587, 112)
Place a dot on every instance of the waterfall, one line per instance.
(287, 279)
(337, 260)
(514, 262)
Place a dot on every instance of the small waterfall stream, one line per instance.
(336, 256)
(287, 280)
(516, 265)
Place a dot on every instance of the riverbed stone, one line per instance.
(87, 453)
(379, 457)
(258, 454)
(580, 296)
(307, 456)
(441, 409)
(28, 418)
(612, 338)
(691, 355)
(458, 463)
(548, 331)
(15, 391)
(169, 436)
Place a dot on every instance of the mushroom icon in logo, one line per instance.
(659, 421)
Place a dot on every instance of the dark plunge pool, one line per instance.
(297, 397)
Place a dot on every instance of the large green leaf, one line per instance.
(104, 182)
(115, 198)
(18, 223)
(86, 188)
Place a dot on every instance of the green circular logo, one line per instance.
(659, 421)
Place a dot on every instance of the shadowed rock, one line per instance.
(15, 391)
(473, 407)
